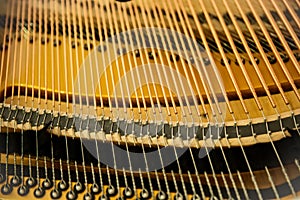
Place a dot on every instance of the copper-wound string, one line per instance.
(206, 46)
(285, 21)
(281, 37)
(236, 53)
(205, 78)
(262, 52)
(292, 12)
(248, 50)
(226, 62)
(272, 45)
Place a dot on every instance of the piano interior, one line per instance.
(149, 99)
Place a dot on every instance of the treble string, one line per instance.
(65, 23)
(138, 74)
(177, 28)
(142, 41)
(128, 117)
(81, 129)
(210, 56)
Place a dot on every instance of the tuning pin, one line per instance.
(23, 190)
(103, 197)
(111, 191)
(88, 196)
(63, 185)
(47, 184)
(6, 189)
(71, 195)
(128, 193)
(161, 195)
(178, 196)
(55, 193)
(95, 189)
(39, 192)
(31, 182)
(196, 197)
(145, 194)
(15, 181)
(78, 187)
(2, 179)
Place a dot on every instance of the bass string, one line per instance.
(262, 53)
(274, 148)
(281, 36)
(246, 75)
(292, 12)
(285, 21)
(272, 45)
(241, 36)
(227, 65)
